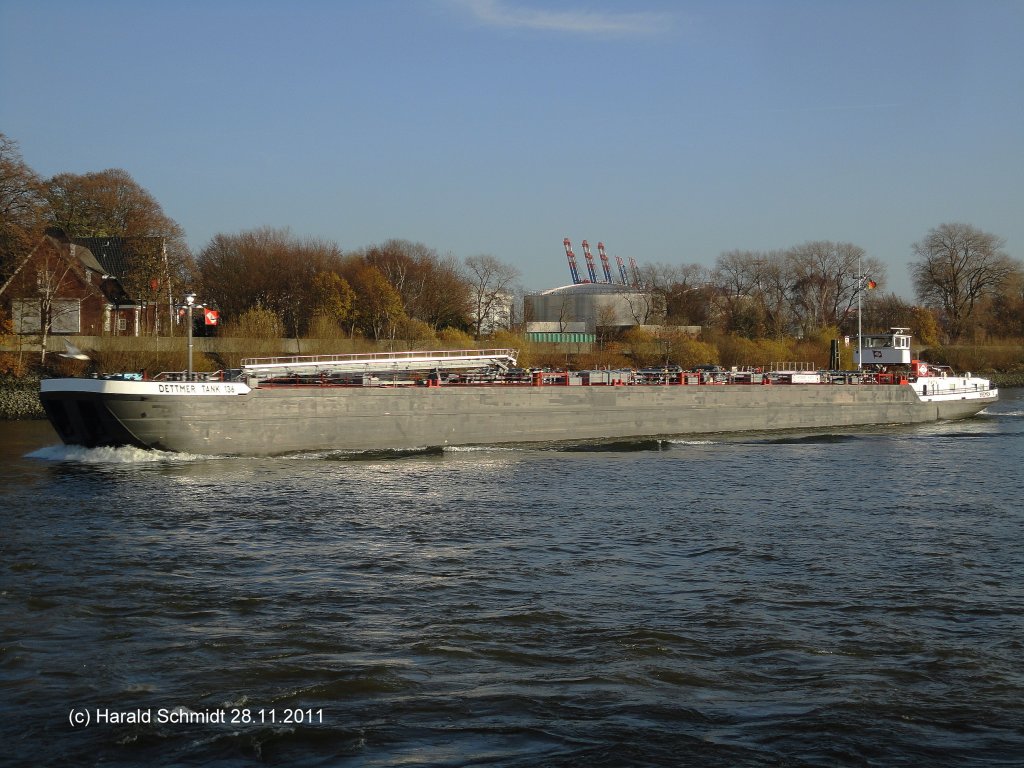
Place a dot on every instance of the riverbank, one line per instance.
(19, 398)
(1006, 380)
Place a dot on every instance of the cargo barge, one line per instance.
(479, 397)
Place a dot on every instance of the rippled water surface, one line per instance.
(768, 599)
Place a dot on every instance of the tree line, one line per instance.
(966, 284)
(397, 289)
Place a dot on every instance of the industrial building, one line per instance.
(589, 303)
(593, 305)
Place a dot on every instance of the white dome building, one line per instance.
(587, 306)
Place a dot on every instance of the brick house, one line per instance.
(140, 267)
(61, 288)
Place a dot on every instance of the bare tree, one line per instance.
(824, 281)
(883, 311)
(737, 277)
(431, 287)
(491, 282)
(40, 308)
(958, 265)
(773, 294)
(643, 306)
(22, 209)
(444, 299)
(681, 290)
(270, 268)
(1005, 313)
(564, 312)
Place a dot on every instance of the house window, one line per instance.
(66, 316)
(122, 323)
(26, 316)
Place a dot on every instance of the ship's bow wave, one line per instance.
(76, 454)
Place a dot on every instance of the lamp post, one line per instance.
(860, 342)
(862, 283)
(190, 300)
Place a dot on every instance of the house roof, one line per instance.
(90, 270)
(87, 259)
(121, 258)
(84, 261)
(114, 254)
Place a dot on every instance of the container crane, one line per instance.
(636, 271)
(622, 270)
(604, 263)
(572, 261)
(590, 262)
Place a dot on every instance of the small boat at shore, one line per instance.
(479, 397)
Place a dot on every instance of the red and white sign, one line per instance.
(212, 316)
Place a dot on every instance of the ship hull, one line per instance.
(234, 420)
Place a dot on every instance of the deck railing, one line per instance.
(385, 361)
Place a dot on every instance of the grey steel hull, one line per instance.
(272, 420)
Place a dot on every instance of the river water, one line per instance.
(755, 600)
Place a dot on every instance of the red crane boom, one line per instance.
(604, 263)
(572, 261)
(622, 270)
(590, 262)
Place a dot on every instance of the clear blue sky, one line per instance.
(672, 131)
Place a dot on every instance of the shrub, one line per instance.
(605, 358)
(325, 327)
(975, 358)
(455, 339)
(688, 353)
(257, 322)
(415, 332)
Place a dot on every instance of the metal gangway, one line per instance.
(380, 362)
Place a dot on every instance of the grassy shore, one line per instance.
(1005, 380)
(19, 398)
